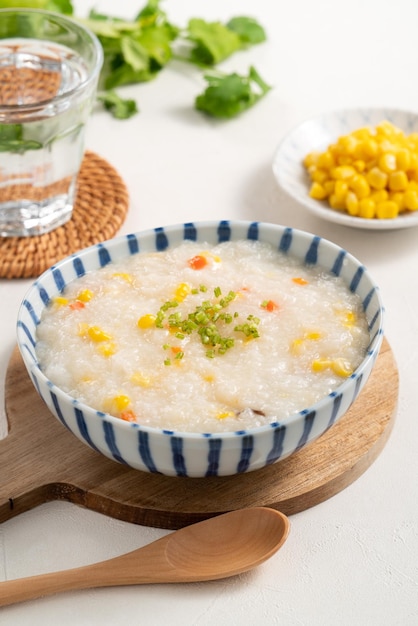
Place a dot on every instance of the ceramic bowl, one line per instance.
(316, 135)
(190, 454)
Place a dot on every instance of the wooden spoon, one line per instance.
(218, 547)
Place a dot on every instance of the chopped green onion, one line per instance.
(207, 320)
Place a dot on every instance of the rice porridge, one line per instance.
(203, 338)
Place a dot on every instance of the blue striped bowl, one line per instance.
(191, 454)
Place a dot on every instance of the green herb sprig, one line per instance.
(137, 50)
(231, 94)
(207, 320)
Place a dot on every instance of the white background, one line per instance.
(353, 559)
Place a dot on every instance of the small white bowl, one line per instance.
(193, 454)
(316, 135)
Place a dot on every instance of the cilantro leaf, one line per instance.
(248, 29)
(152, 13)
(60, 6)
(231, 94)
(119, 108)
(134, 51)
(212, 42)
(134, 54)
(11, 139)
(11, 132)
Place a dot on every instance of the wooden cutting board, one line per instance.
(41, 461)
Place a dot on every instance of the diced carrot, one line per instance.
(299, 280)
(76, 305)
(271, 306)
(197, 262)
(128, 416)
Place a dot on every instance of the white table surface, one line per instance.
(354, 558)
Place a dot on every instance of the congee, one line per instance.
(203, 338)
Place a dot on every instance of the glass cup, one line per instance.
(49, 69)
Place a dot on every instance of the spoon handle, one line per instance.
(223, 546)
(142, 566)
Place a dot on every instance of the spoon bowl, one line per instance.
(219, 547)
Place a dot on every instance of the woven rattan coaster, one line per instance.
(99, 211)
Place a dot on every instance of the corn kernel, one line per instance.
(60, 301)
(107, 348)
(349, 319)
(399, 198)
(336, 202)
(360, 186)
(121, 402)
(97, 334)
(343, 172)
(387, 162)
(413, 138)
(317, 175)
(362, 133)
(124, 276)
(387, 210)
(359, 165)
(146, 321)
(329, 187)
(313, 335)
(347, 144)
(311, 159)
(345, 160)
(340, 190)
(379, 196)
(317, 191)
(85, 295)
(182, 291)
(403, 159)
(351, 203)
(296, 346)
(387, 129)
(398, 181)
(319, 365)
(341, 367)
(83, 329)
(366, 208)
(411, 200)
(326, 160)
(209, 378)
(224, 414)
(377, 178)
(367, 149)
(141, 379)
(413, 165)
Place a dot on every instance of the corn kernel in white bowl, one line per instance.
(316, 135)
